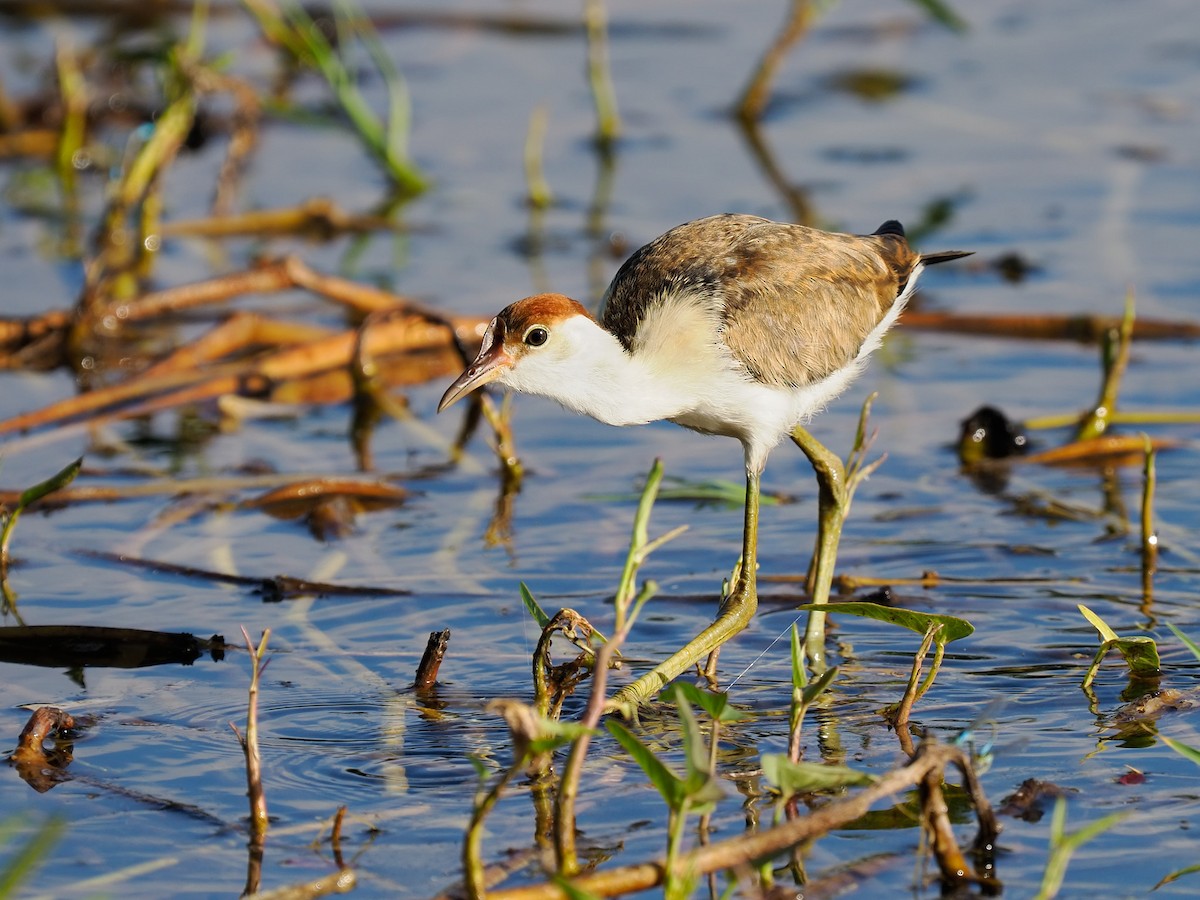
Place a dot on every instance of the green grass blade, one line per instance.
(1187, 641)
(1176, 875)
(29, 856)
(1185, 750)
(535, 609)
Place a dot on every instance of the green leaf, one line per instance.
(1187, 641)
(791, 778)
(953, 628)
(799, 676)
(535, 610)
(716, 704)
(1106, 634)
(1140, 652)
(1141, 655)
(669, 785)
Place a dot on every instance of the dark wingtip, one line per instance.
(891, 226)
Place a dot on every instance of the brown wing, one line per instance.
(796, 302)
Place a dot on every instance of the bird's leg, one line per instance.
(833, 501)
(737, 609)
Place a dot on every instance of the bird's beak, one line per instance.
(491, 363)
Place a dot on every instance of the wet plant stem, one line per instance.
(1114, 358)
(537, 190)
(752, 103)
(27, 498)
(1149, 535)
(75, 107)
(608, 121)
(913, 692)
(258, 798)
(565, 854)
(473, 870)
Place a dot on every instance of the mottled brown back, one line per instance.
(795, 303)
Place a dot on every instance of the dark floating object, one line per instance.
(1027, 802)
(77, 646)
(988, 434)
(39, 766)
(1014, 268)
(872, 85)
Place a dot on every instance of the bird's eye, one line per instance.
(537, 335)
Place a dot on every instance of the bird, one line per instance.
(729, 325)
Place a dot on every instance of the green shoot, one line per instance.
(31, 854)
(803, 694)
(608, 121)
(1187, 641)
(1185, 750)
(533, 607)
(1140, 652)
(538, 193)
(28, 497)
(627, 606)
(1063, 846)
(296, 31)
(1114, 360)
(1149, 535)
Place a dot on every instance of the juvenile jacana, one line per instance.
(732, 325)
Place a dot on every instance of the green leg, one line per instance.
(833, 504)
(735, 614)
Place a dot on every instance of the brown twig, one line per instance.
(259, 820)
(431, 660)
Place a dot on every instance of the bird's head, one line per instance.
(531, 346)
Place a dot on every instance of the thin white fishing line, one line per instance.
(765, 651)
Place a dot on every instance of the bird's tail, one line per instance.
(891, 226)
(932, 259)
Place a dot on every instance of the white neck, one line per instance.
(588, 371)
